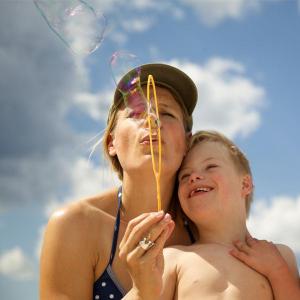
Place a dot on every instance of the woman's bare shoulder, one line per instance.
(76, 230)
(82, 217)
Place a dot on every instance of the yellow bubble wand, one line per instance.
(156, 169)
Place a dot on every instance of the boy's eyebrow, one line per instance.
(186, 168)
(209, 158)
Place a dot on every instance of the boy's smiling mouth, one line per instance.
(200, 190)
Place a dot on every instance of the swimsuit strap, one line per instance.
(116, 227)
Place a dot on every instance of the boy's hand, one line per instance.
(260, 255)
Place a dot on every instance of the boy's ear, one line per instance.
(247, 185)
(110, 145)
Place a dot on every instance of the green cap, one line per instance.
(179, 83)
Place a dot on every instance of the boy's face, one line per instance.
(210, 186)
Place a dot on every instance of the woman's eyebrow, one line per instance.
(164, 105)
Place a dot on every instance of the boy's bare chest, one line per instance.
(219, 276)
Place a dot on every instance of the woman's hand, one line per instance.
(278, 264)
(260, 255)
(146, 265)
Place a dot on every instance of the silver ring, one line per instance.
(146, 244)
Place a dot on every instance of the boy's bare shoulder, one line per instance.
(178, 251)
(289, 257)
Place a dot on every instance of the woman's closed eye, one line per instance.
(136, 114)
(167, 114)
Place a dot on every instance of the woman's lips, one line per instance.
(146, 140)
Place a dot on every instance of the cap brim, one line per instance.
(170, 77)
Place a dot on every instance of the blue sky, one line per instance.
(242, 55)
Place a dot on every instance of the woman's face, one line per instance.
(130, 139)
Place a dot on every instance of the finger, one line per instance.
(139, 231)
(138, 256)
(149, 229)
(248, 235)
(171, 227)
(251, 241)
(242, 247)
(131, 225)
(239, 255)
(156, 229)
(164, 225)
(158, 247)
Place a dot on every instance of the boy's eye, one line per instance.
(183, 177)
(211, 166)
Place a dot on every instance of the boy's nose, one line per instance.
(195, 177)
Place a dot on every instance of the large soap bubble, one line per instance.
(129, 85)
(79, 26)
(121, 63)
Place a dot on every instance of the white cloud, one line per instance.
(137, 24)
(97, 104)
(277, 220)
(38, 246)
(118, 37)
(38, 146)
(228, 100)
(177, 13)
(212, 12)
(15, 265)
(86, 179)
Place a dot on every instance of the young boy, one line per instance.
(215, 191)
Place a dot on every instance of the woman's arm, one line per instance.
(146, 266)
(277, 263)
(67, 260)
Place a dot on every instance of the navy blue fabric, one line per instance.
(107, 286)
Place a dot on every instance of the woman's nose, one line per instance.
(155, 122)
(195, 177)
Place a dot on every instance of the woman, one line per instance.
(80, 258)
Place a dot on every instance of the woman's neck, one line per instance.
(139, 194)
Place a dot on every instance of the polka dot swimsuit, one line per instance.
(107, 287)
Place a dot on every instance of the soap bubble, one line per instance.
(126, 72)
(78, 25)
(121, 63)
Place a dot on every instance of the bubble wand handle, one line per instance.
(156, 169)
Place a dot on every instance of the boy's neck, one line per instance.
(224, 235)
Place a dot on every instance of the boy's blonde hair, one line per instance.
(238, 157)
